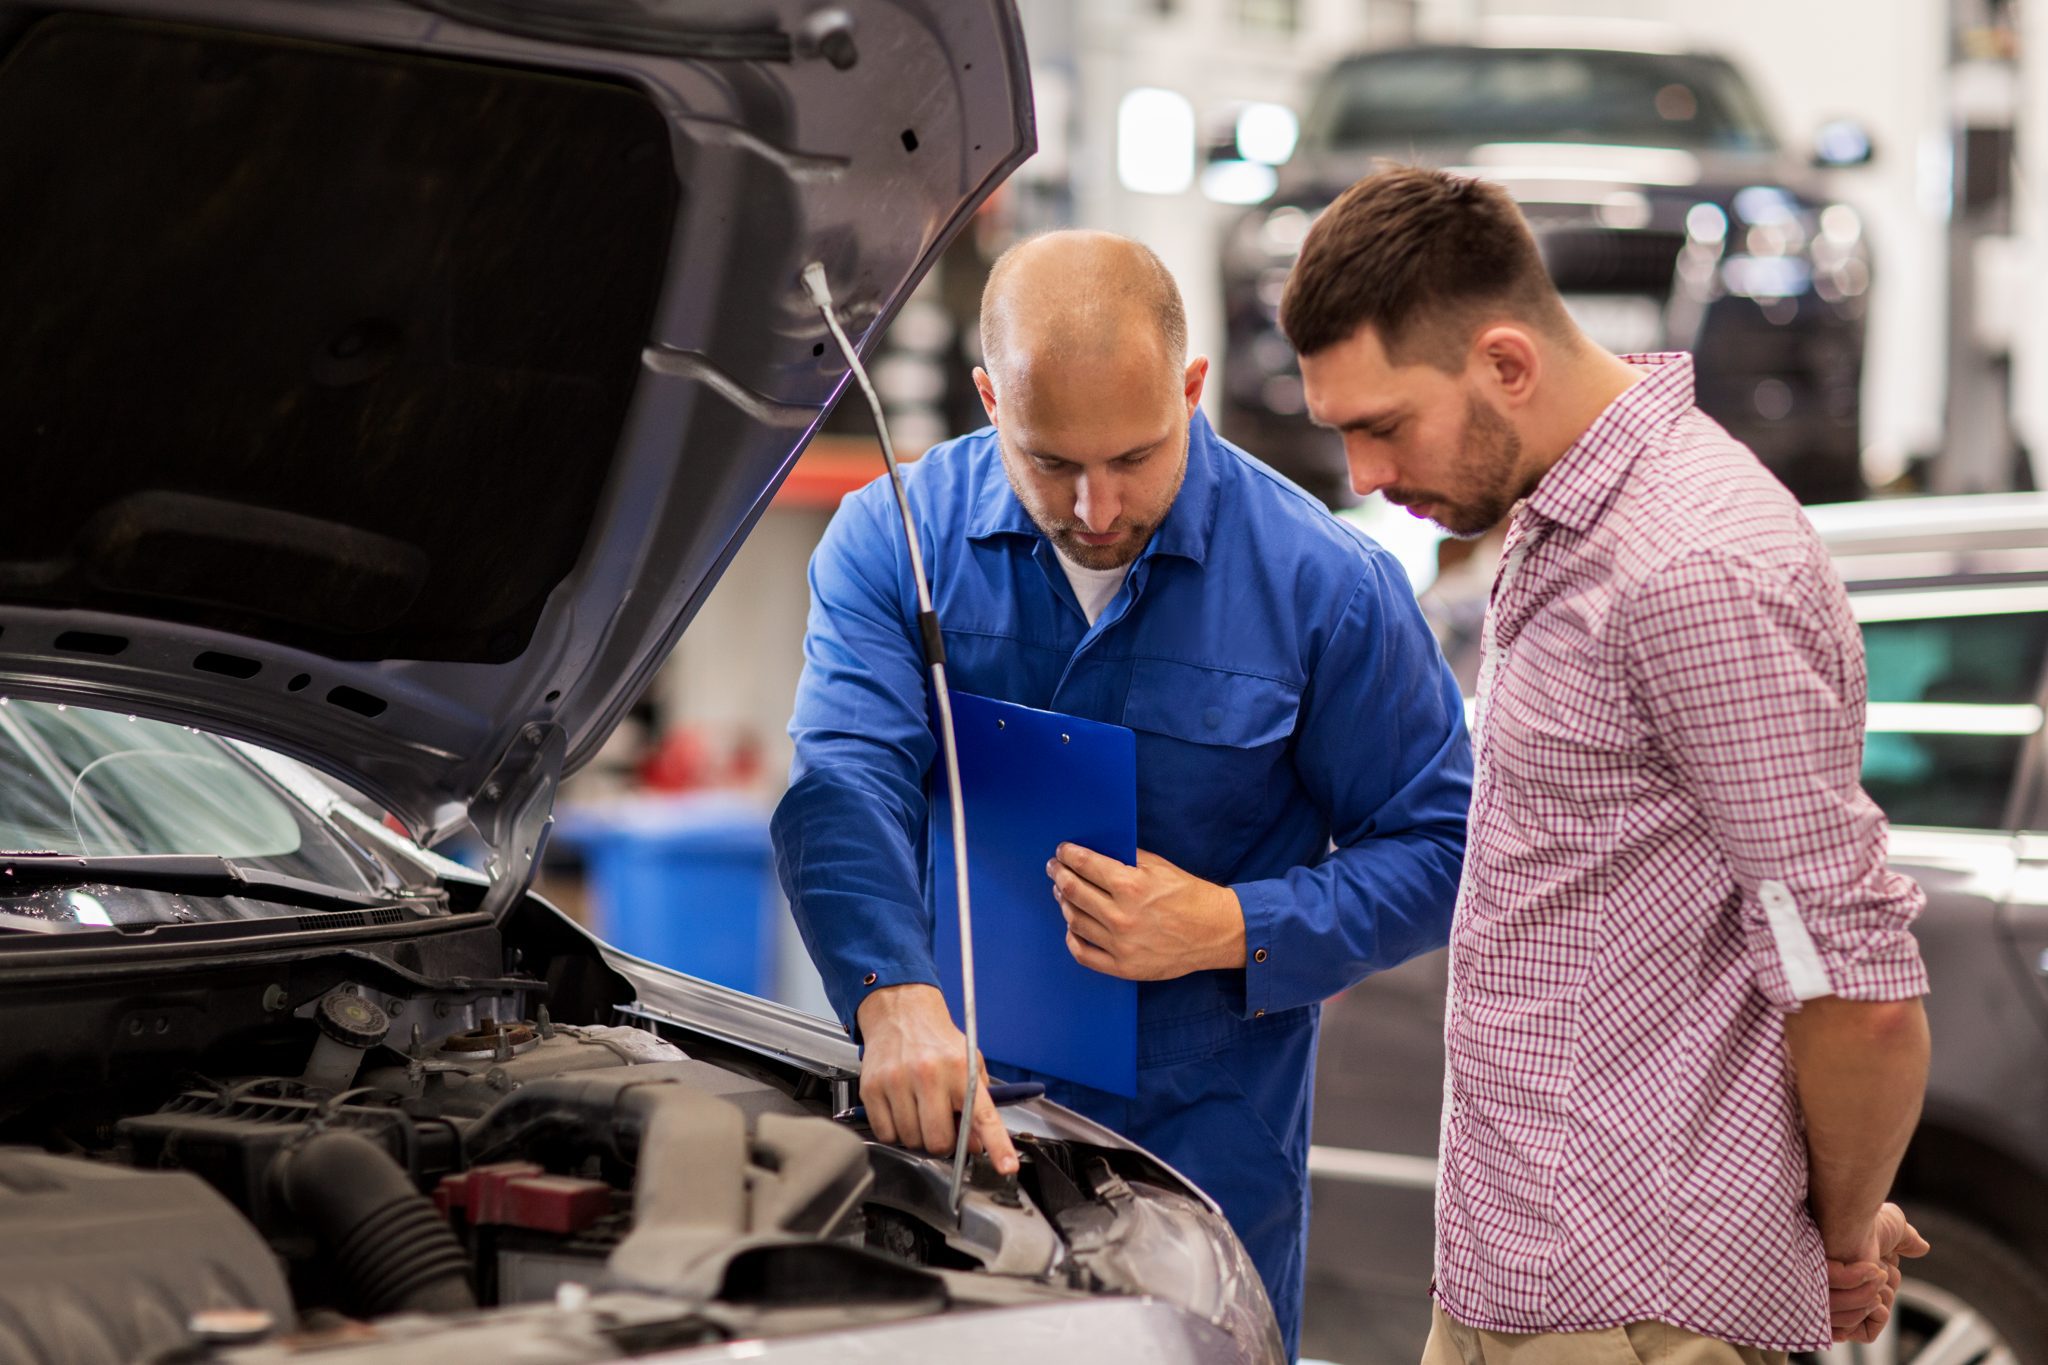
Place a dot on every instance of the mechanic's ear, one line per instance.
(1192, 380)
(985, 385)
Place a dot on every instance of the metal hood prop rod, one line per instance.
(935, 661)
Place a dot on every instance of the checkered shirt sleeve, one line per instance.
(1752, 679)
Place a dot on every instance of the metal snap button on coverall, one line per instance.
(1299, 739)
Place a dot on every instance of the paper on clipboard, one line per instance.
(1033, 780)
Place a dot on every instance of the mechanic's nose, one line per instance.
(1096, 504)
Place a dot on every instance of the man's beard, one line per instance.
(1486, 474)
(1065, 533)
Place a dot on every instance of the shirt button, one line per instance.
(1213, 717)
(1258, 1014)
(1259, 956)
(869, 979)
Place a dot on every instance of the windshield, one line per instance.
(1470, 96)
(97, 784)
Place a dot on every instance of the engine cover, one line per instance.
(105, 1264)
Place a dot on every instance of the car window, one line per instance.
(1475, 96)
(1953, 703)
(95, 783)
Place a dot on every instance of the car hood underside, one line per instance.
(388, 383)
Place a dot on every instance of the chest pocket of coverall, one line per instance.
(1212, 759)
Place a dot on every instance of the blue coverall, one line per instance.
(1286, 695)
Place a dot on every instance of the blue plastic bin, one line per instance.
(688, 882)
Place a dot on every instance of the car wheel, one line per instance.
(1972, 1300)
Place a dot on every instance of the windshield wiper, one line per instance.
(191, 874)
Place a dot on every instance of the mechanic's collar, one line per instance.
(1578, 488)
(1185, 532)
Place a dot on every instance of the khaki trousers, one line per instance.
(1640, 1343)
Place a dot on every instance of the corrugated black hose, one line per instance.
(394, 1252)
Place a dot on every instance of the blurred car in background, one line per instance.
(1952, 596)
(1667, 209)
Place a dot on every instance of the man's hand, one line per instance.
(1152, 922)
(912, 1080)
(1863, 1277)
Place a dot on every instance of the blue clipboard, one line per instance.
(1033, 780)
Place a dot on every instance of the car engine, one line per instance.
(451, 1173)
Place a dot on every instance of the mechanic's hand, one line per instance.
(912, 1081)
(1151, 922)
(1867, 1273)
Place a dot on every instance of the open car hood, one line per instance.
(388, 383)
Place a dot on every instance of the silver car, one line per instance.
(384, 387)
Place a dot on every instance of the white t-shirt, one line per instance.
(1094, 587)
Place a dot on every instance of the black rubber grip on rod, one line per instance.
(934, 642)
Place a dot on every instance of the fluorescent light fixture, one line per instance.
(1952, 718)
(1942, 603)
(1267, 133)
(1155, 141)
(1239, 182)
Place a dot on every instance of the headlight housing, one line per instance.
(1779, 247)
(1145, 1239)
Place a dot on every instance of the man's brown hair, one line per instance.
(1424, 258)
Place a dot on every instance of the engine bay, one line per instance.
(397, 1151)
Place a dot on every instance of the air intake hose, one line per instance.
(394, 1252)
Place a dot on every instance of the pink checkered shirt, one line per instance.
(1669, 851)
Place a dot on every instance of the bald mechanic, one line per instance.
(1302, 759)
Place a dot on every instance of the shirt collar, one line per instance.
(1583, 482)
(1185, 532)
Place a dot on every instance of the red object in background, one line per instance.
(391, 822)
(683, 761)
(520, 1194)
(678, 762)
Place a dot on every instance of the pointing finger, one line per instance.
(994, 1137)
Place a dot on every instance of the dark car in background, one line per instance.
(1952, 597)
(1669, 213)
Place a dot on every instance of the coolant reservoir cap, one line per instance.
(352, 1020)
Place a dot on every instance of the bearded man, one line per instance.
(1303, 767)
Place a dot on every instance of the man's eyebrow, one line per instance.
(1364, 420)
(1061, 459)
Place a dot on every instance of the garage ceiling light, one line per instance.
(1267, 133)
(1155, 141)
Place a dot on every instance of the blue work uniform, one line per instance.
(1299, 739)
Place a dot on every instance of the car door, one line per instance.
(1954, 755)
(1953, 732)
